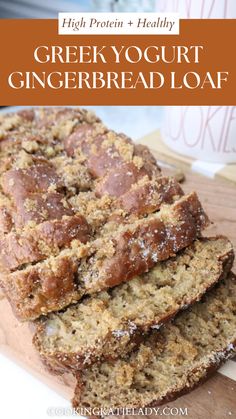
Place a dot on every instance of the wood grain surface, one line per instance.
(214, 399)
(165, 154)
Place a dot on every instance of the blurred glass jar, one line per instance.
(199, 9)
(207, 133)
(124, 5)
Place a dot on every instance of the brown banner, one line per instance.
(40, 67)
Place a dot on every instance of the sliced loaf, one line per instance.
(115, 257)
(53, 161)
(171, 361)
(113, 322)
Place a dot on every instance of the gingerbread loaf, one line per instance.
(130, 250)
(112, 323)
(104, 250)
(77, 202)
(170, 362)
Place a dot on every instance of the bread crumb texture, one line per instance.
(73, 192)
(110, 324)
(170, 361)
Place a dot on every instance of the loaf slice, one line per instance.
(32, 244)
(116, 257)
(110, 324)
(46, 239)
(170, 362)
(42, 180)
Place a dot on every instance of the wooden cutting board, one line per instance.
(217, 397)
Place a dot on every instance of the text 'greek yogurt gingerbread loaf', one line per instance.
(82, 209)
(170, 362)
(112, 323)
(102, 251)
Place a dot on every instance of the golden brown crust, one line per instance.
(120, 180)
(115, 258)
(42, 290)
(62, 362)
(85, 139)
(36, 193)
(43, 213)
(46, 239)
(56, 246)
(137, 251)
(5, 220)
(147, 197)
(131, 332)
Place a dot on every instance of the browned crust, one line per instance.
(44, 288)
(60, 362)
(84, 137)
(147, 198)
(5, 220)
(137, 251)
(37, 190)
(44, 240)
(103, 154)
(35, 193)
(119, 180)
(59, 284)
